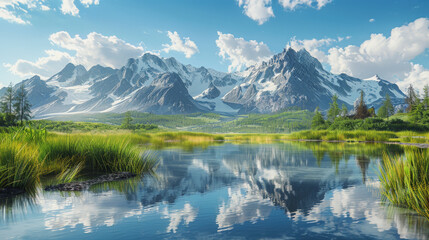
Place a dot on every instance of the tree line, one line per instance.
(418, 107)
(342, 117)
(15, 108)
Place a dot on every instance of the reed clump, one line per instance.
(20, 166)
(27, 154)
(405, 180)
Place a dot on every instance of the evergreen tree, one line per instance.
(334, 110)
(426, 96)
(6, 106)
(411, 100)
(389, 106)
(418, 113)
(126, 122)
(387, 109)
(361, 110)
(22, 107)
(344, 111)
(318, 121)
(382, 111)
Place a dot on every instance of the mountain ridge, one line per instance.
(166, 86)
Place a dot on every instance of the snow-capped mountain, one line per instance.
(297, 79)
(165, 86)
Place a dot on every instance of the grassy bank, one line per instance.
(26, 155)
(405, 180)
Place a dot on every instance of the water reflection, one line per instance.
(243, 190)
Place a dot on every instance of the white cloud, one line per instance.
(14, 10)
(387, 56)
(185, 46)
(68, 7)
(293, 4)
(258, 10)
(313, 46)
(418, 77)
(10, 10)
(43, 66)
(11, 17)
(371, 20)
(87, 3)
(94, 49)
(240, 52)
(45, 8)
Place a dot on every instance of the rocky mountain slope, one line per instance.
(165, 86)
(297, 79)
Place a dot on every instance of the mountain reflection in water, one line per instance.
(298, 190)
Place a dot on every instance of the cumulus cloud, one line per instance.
(293, 4)
(371, 20)
(87, 3)
(95, 49)
(43, 66)
(185, 45)
(313, 46)
(240, 52)
(387, 56)
(69, 7)
(418, 77)
(258, 10)
(15, 10)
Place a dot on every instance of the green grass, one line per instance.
(28, 154)
(405, 180)
(358, 135)
(20, 166)
(284, 122)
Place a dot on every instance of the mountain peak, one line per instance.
(374, 78)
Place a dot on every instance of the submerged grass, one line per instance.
(405, 180)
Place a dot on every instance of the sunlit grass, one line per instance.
(28, 154)
(20, 166)
(326, 135)
(405, 180)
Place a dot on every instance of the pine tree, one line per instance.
(387, 109)
(318, 120)
(382, 111)
(6, 106)
(411, 100)
(126, 122)
(344, 111)
(22, 106)
(361, 110)
(426, 96)
(390, 110)
(334, 110)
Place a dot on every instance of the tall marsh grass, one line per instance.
(26, 154)
(19, 165)
(405, 180)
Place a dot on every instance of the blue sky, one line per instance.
(143, 26)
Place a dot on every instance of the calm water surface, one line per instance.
(278, 191)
